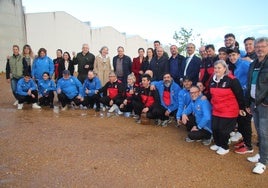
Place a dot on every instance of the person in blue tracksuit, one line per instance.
(27, 92)
(46, 88)
(69, 89)
(90, 91)
(169, 95)
(42, 64)
(184, 98)
(197, 116)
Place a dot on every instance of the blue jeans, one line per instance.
(14, 82)
(260, 116)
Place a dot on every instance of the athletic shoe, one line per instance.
(222, 151)
(16, 103)
(239, 144)
(236, 137)
(64, 108)
(259, 168)
(214, 147)
(254, 159)
(187, 139)
(243, 150)
(36, 106)
(206, 142)
(164, 123)
(157, 122)
(119, 112)
(20, 106)
(112, 109)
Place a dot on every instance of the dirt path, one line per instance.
(78, 148)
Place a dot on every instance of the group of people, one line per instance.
(212, 96)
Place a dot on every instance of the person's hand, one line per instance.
(29, 92)
(131, 92)
(247, 59)
(242, 113)
(75, 74)
(121, 105)
(140, 72)
(144, 110)
(87, 91)
(8, 80)
(73, 53)
(125, 102)
(167, 113)
(86, 66)
(111, 102)
(152, 87)
(59, 91)
(32, 95)
(248, 110)
(179, 122)
(184, 119)
(194, 128)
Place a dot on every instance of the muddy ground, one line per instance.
(79, 148)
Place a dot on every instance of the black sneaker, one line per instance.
(97, 109)
(51, 106)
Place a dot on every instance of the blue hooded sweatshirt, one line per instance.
(41, 65)
(23, 86)
(44, 86)
(71, 87)
(91, 85)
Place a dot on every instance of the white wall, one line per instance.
(12, 28)
(55, 30)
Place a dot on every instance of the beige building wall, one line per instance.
(55, 30)
(12, 28)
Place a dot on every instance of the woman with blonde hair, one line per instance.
(102, 65)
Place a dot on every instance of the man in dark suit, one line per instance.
(191, 64)
(159, 65)
(122, 65)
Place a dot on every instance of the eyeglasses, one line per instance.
(193, 92)
(261, 46)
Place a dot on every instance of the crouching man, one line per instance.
(69, 89)
(197, 117)
(27, 92)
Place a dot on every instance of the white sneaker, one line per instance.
(214, 147)
(237, 136)
(259, 168)
(20, 106)
(16, 103)
(254, 159)
(112, 109)
(64, 108)
(36, 106)
(222, 151)
(119, 112)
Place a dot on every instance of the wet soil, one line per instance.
(81, 148)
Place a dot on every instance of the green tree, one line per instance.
(184, 36)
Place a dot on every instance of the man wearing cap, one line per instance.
(184, 98)
(69, 89)
(241, 68)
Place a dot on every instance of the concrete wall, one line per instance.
(12, 28)
(55, 30)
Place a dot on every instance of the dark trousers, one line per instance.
(221, 128)
(138, 107)
(244, 127)
(127, 108)
(64, 100)
(47, 99)
(106, 101)
(159, 111)
(196, 135)
(91, 100)
(27, 98)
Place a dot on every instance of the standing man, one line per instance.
(122, 65)
(231, 43)
(159, 65)
(84, 61)
(156, 45)
(191, 65)
(257, 98)
(15, 67)
(175, 63)
(249, 47)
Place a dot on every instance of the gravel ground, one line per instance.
(81, 148)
